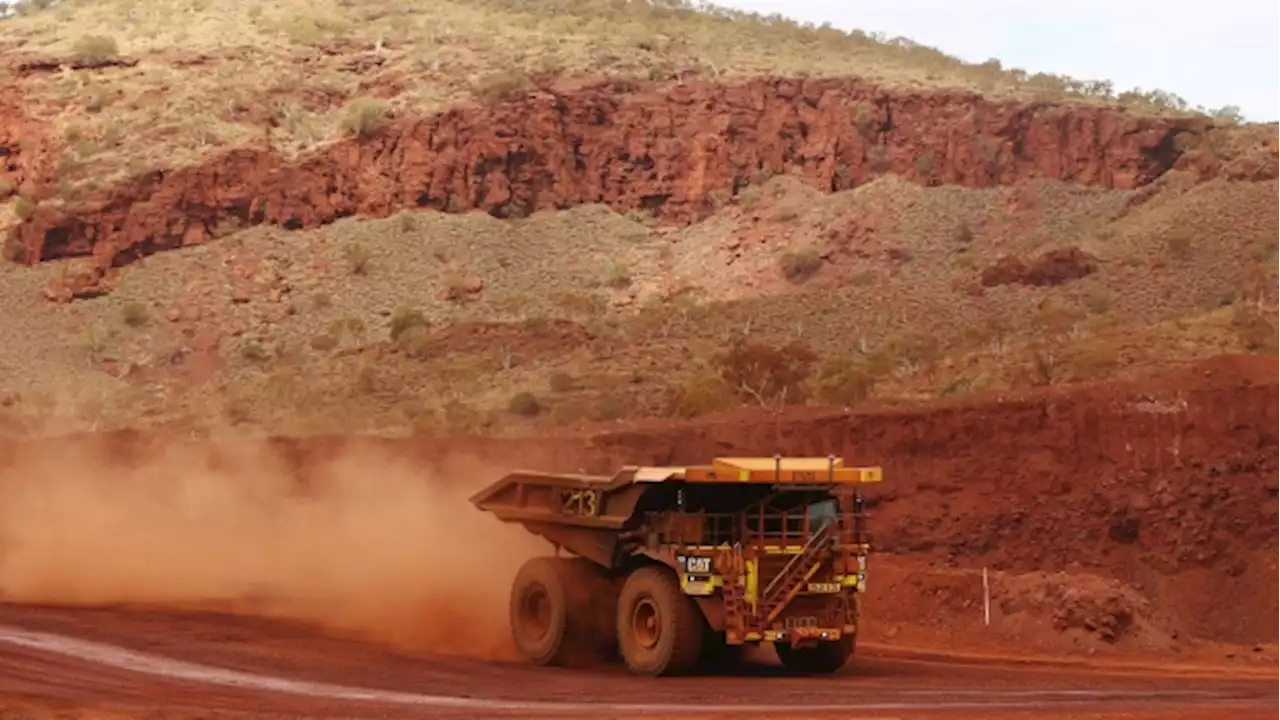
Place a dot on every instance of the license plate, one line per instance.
(824, 587)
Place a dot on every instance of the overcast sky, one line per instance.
(1212, 52)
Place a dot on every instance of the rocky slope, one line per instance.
(676, 151)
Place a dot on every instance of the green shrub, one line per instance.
(364, 117)
(561, 382)
(134, 314)
(524, 404)
(94, 49)
(800, 265)
(699, 396)
(405, 320)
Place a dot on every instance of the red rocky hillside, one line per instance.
(677, 151)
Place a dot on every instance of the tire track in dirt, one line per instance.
(117, 658)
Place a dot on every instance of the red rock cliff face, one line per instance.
(20, 141)
(676, 151)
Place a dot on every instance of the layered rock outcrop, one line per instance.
(676, 151)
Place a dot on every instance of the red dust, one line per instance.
(360, 543)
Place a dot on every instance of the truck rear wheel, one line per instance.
(555, 610)
(824, 659)
(659, 627)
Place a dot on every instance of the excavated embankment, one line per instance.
(675, 151)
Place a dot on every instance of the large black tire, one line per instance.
(824, 659)
(561, 611)
(719, 657)
(659, 627)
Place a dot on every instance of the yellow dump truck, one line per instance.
(675, 568)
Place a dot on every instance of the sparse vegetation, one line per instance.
(1256, 331)
(364, 117)
(1179, 246)
(561, 382)
(24, 209)
(134, 314)
(358, 258)
(927, 341)
(620, 277)
(1044, 364)
(699, 395)
(899, 314)
(766, 374)
(845, 382)
(252, 350)
(609, 408)
(502, 85)
(798, 266)
(94, 50)
(324, 343)
(405, 320)
(524, 404)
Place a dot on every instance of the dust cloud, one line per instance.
(360, 544)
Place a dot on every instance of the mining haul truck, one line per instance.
(677, 568)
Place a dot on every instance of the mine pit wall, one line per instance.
(677, 151)
(1168, 485)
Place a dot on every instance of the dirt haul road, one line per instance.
(118, 663)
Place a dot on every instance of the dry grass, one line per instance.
(215, 75)
(362, 325)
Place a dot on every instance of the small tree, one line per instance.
(915, 351)
(1255, 330)
(1057, 321)
(1259, 280)
(845, 382)
(699, 396)
(765, 373)
(993, 331)
(1044, 364)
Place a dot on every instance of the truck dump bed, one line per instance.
(585, 513)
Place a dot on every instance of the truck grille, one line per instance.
(826, 611)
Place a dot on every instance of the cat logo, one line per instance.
(697, 565)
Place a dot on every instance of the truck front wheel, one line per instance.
(659, 627)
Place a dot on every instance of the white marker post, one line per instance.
(986, 598)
